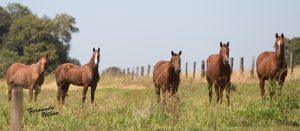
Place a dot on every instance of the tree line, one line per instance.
(24, 37)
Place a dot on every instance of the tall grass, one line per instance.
(125, 104)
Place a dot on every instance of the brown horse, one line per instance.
(86, 76)
(29, 77)
(19, 76)
(219, 72)
(166, 76)
(272, 66)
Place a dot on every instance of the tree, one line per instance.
(5, 21)
(17, 10)
(25, 37)
(7, 58)
(24, 31)
(293, 46)
(112, 71)
(34, 51)
(63, 27)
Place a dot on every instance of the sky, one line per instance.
(134, 33)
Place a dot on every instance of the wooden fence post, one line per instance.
(132, 73)
(142, 71)
(242, 65)
(186, 70)
(203, 69)
(231, 63)
(128, 71)
(194, 70)
(252, 68)
(148, 71)
(137, 71)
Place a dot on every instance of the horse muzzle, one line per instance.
(226, 61)
(178, 70)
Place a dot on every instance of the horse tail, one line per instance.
(17, 107)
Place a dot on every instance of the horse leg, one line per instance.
(64, 92)
(30, 93)
(59, 88)
(281, 82)
(37, 90)
(223, 86)
(217, 90)
(85, 88)
(262, 88)
(163, 91)
(272, 88)
(228, 93)
(157, 92)
(93, 89)
(9, 93)
(210, 90)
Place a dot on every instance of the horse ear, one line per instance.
(179, 52)
(228, 44)
(93, 49)
(172, 53)
(47, 55)
(220, 44)
(98, 49)
(282, 36)
(276, 35)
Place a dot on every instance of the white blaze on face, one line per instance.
(95, 59)
(279, 45)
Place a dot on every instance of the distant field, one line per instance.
(125, 104)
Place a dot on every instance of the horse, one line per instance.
(272, 66)
(29, 77)
(166, 76)
(19, 76)
(219, 72)
(86, 76)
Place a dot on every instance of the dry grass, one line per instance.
(126, 104)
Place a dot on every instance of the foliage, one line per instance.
(5, 21)
(30, 36)
(112, 71)
(4, 62)
(293, 46)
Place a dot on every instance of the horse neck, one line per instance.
(35, 68)
(91, 62)
(171, 69)
(92, 65)
(221, 63)
(280, 59)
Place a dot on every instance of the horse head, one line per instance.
(279, 45)
(43, 62)
(176, 61)
(224, 52)
(96, 56)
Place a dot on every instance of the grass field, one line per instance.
(124, 104)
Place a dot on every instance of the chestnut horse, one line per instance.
(166, 76)
(19, 76)
(272, 66)
(29, 77)
(86, 76)
(218, 73)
